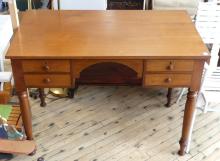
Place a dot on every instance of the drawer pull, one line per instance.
(171, 66)
(46, 67)
(47, 80)
(168, 80)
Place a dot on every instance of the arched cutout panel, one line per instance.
(108, 73)
(79, 65)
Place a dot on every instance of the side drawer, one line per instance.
(47, 80)
(167, 80)
(169, 65)
(46, 66)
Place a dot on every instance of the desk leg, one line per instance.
(187, 120)
(169, 97)
(71, 92)
(42, 97)
(26, 113)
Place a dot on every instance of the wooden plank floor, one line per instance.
(119, 124)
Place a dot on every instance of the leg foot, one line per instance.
(183, 145)
(42, 97)
(40, 159)
(71, 92)
(33, 152)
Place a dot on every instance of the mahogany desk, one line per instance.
(52, 49)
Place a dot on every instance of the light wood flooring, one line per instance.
(119, 124)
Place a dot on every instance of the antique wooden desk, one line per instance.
(53, 48)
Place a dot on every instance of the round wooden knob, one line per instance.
(47, 80)
(46, 67)
(168, 80)
(170, 67)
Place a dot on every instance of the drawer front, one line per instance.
(46, 66)
(169, 65)
(167, 79)
(47, 80)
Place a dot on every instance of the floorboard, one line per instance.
(119, 124)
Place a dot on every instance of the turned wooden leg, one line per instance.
(42, 97)
(71, 92)
(26, 114)
(169, 95)
(187, 120)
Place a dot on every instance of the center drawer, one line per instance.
(47, 80)
(169, 65)
(46, 66)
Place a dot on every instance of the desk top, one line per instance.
(106, 35)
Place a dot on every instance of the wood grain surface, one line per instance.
(106, 34)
